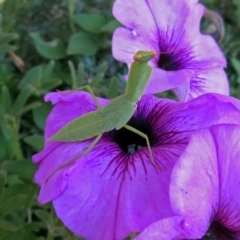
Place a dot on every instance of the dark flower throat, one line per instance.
(168, 62)
(129, 141)
(219, 232)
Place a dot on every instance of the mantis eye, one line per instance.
(144, 57)
(137, 57)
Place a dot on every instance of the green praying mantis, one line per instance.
(114, 115)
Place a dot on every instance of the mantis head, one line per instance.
(144, 56)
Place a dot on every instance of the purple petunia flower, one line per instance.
(188, 62)
(115, 189)
(204, 190)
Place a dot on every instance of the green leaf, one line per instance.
(110, 26)
(11, 204)
(1, 20)
(49, 85)
(80, 74)
(73, 74)
(7, 37)
(6, 151)
(13, 180)
(31, 191)
(5, 235)
(48, 70)
(19, 188)
(23, 233)
(40, 78)
(29, 107)
(76, 77)
(44, 216)
(5, 139)
(35, 141)
(5, 225)
(7, 48)
(40, 115)
(71, 7)
(2, 183)
(82, 43)
(23, 168)
(96, 79)
(32, 77)
(102, 68)
(237, 3)
(113, 88)
(236, 64)
(21, 100)
(51, 50)
(90, 22)
(6, 100)
(35, 227)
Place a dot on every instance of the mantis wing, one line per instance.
(126, 112)
(120, 110)
(82, 128)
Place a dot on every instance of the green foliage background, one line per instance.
(52, 37)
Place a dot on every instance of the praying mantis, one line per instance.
(114, 115)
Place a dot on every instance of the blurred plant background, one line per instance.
(41, 42)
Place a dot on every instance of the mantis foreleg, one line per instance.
(132, 129)
(86, 151)
(92, 93)
(74, 79)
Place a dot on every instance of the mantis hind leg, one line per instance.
(86, 151)
(147, 141)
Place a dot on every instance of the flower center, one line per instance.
(168, 62)
(218, 231)
(129, 141)
(174, 55)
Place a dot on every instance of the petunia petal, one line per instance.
(212, 193)
(165, 229)
(162, 80)
(56, 184)
(204, 187)
(170, 14)
(207, 81)
(202, 44)
(109, 192)
(194, 185)
(202, 112)
(227, 142)
(214, 80)
(182, 91)
(127, 42)
(139, 19)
